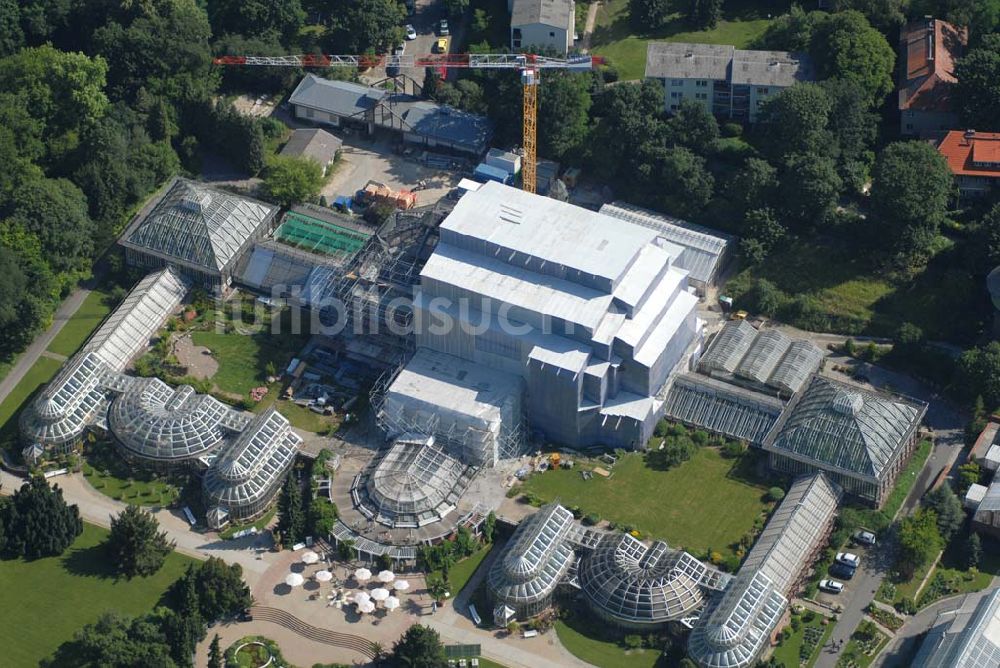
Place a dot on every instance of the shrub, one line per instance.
(733, 449)
(591, 519)
(731, 129)
(633, 641)
(775, 494)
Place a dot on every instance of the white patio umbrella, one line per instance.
(401, 585)
(362, 575)
(366, 607)
(309, 557)
(324, 576)
(361, 597)
(294, 579)
(386, 576)
(391, 603)
(380, 594)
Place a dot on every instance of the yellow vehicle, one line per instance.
(740, 315)
(441, 46)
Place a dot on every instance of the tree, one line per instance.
(114, 641)
(135, 545)
(753, 184)
(691, 183)
(220, 589)
(910, 191)
(978, 373)
(55, 211)
(420, 647)
(11, 35)
(988, 234)
(973, 550)
(948, 507)
(366, 26)
(37, 521)
(290, 180)
(794, 122)
(703, 14)
(809, 188)
(885, 15)
(322, 516)
(64, 91)
(489, 526)
(978, 87)
(214, 653)
(255, 18)
(564, 114)
(694, 127)
(649, 15)
(845, 46)
(853, 128)
(456, 8)
(761, 233)
(969, 474)
(792, 31)
(291, 520)
(918, 542)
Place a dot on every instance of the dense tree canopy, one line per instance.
(135, 544)
(978, 88)
(794, 121)
(910, 191)
(847, 47)
(291, 518)
(918, 542)
(114, 641)
(289, 180)
(564, 114)
(648, 15)
(366, 26)
(948, 509)
(37, 522)
(257, 18)
(978, 373)
(55, 211)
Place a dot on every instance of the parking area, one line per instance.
(363, 160)
(858, 582)
(425, 21)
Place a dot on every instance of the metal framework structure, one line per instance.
(530, 66)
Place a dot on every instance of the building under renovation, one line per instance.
(735, 627)
(588, 311)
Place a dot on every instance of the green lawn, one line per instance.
(108, 473)
(40, 373)
(706, 502)
(300, 416)
(462, 572)
(44, 602)
(581, 637)
(952, 577)
(788, 649)
(74, 333)
(243, 359)
(614, 36)
(260, 524)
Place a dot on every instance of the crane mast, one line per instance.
(529, 65)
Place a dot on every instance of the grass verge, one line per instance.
(41, 372)
(48, 600)
(588, 641)
(78, 328)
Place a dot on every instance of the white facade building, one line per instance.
(542, 25)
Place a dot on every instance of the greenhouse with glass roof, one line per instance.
(165, 427)
(244, 479)
(411, 484)
(203, 231)
(635, 585)
(860, 438)
(735, 628)
(523, 578)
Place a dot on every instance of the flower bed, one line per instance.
(885, 618)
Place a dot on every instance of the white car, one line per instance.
(443, 27)
(411, 32)
(849, 559)
(831, 586)
(865, 538)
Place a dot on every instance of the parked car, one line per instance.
(443, 28)
(848, 559)
(831, 586)
(411, 32)
(865, 538)
(441, 46)
(392, 70)
(842, 571)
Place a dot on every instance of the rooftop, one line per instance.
(444, 123)
(929, 50)
(313, 143)
(968, 637)
(196, 225)
(845, 427)
(719, 62)
(557, 13)
(342, 98)
(972, 153)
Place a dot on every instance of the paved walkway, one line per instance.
(588, 29)
(37, 348)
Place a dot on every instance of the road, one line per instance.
(948, 424)
(28, 358)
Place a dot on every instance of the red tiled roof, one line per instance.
(930, 49)
(963, 153)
